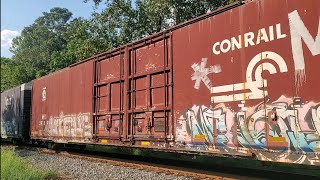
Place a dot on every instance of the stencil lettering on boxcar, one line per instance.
(44, 94)
(249, 39)
(299, 33)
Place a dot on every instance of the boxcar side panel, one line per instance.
(247, 82)
(63, 105)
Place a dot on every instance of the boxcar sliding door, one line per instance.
(150, 92)
(108, 95)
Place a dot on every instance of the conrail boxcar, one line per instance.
(63, 105)
(243, 80)
(15, 113)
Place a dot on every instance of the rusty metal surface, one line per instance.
(62, 105)
(109, 96)
(15, 113)
(247, 80)
(244, 81)
(133, 95)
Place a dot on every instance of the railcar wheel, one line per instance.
(57, 147)
(14, 141)
(50, 145)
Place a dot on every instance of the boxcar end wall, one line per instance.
(15, 113)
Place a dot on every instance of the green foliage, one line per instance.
(157, 12)
(153, 16)
(86, 38)
(150, 16)
(184, 10)
(39, 42)
(14, 167)
(9, 74)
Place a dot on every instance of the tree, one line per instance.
(84, 39)
(38, 43)
(118, 21)
(184, 10)
(9, 74)
(153, 16)
(150, 16)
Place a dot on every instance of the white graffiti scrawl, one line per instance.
(299, 32)
(72, 125)
(201, 72)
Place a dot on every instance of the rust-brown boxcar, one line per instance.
(241, 82)
(63, 105)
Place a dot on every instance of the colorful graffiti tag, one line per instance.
(284, 125)
(286, 129)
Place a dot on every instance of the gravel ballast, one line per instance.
(73, 168)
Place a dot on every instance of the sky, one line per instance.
(17, 14)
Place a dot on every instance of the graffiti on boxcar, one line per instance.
(10, 117)
(201, 73)
(300, 32)
(285, 125)
(74, 125)
(199, 121)
(294, 127)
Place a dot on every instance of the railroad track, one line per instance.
(172, 167)
(113, 159)
(155, 165)
(149, 167)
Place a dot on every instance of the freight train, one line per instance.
(242, 80)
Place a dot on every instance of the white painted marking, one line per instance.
(299, 32)
(248, 39)
(252, 84)
(201, 72)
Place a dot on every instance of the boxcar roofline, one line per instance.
(170, 29)
(178, 26)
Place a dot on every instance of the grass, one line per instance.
(16, 168)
